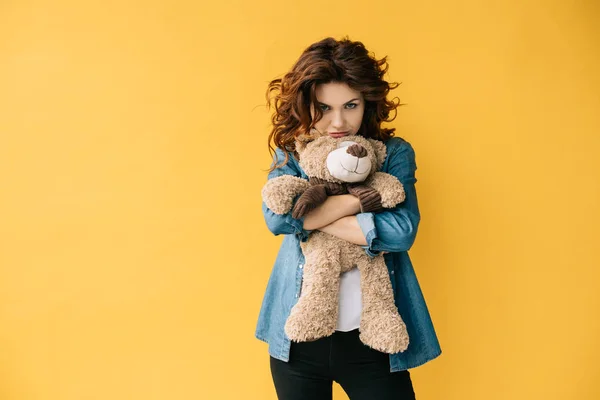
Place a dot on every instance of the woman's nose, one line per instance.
(337, 121)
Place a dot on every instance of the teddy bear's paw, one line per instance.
(384, 331)
(389, 188)
(305, 325)
(309, 200)
(279, 193)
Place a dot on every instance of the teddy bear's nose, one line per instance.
(357, 150)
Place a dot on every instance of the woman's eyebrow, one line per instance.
(320, 102)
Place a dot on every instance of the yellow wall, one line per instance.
(133, 254)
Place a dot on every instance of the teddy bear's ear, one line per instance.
(380, 151)
(305, 138)
(301, 145)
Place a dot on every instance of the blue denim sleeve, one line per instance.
(395, 229)
(284, 224)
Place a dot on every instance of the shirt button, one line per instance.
(300, 266)
(392, 272)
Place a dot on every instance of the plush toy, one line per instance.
(339, 166)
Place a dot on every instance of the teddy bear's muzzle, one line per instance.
(349, 164)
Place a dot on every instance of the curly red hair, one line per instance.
(329, 60)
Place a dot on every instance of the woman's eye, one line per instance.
(323, 107)
(351, 105)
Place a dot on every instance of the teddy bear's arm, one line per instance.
(313, 197)
(370, 199)
(279, 193)
(389, 188)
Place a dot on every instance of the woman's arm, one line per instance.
(346, 228)
(334, 208)
(392, 230)
(395, 229)
(284, 224)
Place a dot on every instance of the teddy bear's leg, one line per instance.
(315, 314)
(381, 326)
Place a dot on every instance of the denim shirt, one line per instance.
(391, 232)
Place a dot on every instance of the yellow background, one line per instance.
(133, 253)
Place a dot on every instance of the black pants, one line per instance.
(362, 372)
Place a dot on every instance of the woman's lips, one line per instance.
(337, 134)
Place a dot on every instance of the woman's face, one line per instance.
(342, 108)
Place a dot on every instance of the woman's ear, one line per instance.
(380, 151)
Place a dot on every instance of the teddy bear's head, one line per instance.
(346, 159)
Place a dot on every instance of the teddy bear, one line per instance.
(339, 166)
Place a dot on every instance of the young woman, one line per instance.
(337, 88)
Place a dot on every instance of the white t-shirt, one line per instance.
(350, 302)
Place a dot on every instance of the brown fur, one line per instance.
(279, 193)
(319, 149)
(315, 314)
(326, 257)
(386, 185)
